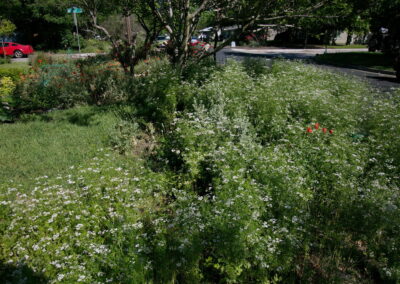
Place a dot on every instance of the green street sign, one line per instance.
(74, 10)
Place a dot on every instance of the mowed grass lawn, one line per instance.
(24, 66)
(375, 60)
(48, 144)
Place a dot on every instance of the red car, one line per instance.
(15, 49)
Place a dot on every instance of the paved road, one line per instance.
(382, 82)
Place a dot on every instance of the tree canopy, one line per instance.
(6, 27)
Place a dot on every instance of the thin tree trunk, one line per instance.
(306, 39)
(215, 44)
(4, 51)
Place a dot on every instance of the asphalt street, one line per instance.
(380, 81)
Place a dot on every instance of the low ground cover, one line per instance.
(21, 65)
(235, 174)
(49, 143)
(375, 60)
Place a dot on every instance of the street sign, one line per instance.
(74, 10)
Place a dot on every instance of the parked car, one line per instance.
(162, 41)
(15, 49)
(194, 40)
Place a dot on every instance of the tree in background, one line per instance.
(41, 23)
(180, 18)
(329, 21)
(6, 29)
(128, 48)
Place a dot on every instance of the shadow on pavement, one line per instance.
(387, 79)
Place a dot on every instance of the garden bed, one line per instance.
(237, 174)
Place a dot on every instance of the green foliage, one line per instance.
(6, 60)
(70, 41)
(39, 23)
(88, 221)
(256, 67)
(51, 86)
(6, 27)
(50, 143)
(7, 86)
(14, 72)
(103, 81)
(264, 174)
(41, 58)
(153, 94)
(62, 84)
(96, 46)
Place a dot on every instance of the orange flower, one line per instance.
(40, 61)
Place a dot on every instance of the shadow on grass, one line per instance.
(20, 273)
(85, 116)
(82, 119)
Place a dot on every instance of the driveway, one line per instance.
(382, 82)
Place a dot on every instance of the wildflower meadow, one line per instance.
(242, 173)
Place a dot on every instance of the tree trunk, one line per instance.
(349, 38)
(2, 45)
(215, 44)
(306, 39)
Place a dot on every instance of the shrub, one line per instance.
(7, 87)
(13, 73)
(103, 79)
(52, 86)
(39, 59)
(64, 84)
(153, 95)
(256, 67)
(96, 46)
(5, 60)
(313, 186)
